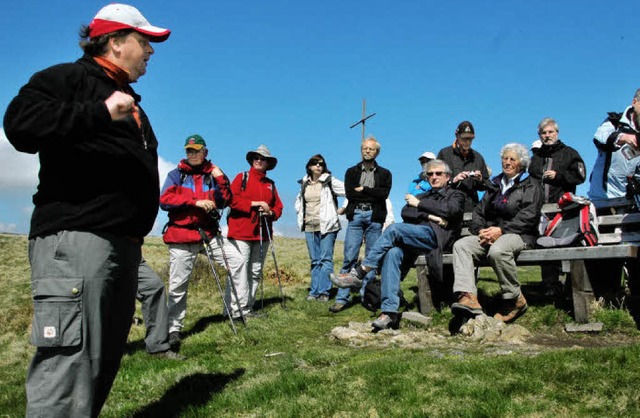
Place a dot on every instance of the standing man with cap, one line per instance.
(421, 184)
(467, 165)
(367, 186)
(255, 206)
(558, 169)
(192, 194)
(85, 243)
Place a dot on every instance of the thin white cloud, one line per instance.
(8, 227)
(164, 167)
(18, 170)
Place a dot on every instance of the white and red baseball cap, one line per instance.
(116, 17)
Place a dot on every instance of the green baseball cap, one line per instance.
(195, 142)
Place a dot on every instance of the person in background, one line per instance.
(432, 222)
(504, 223)
(82, 119)
(155, 313)
(255, 206)
(559, 169)
(367, 186)
(317, 215)
(192, 194)
(421, 184)
(469, 169)
(617, 143)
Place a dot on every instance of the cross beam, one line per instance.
(363, 121)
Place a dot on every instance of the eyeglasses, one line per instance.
(259, 158)
(434, 173)
(193, 151)
(319, 163)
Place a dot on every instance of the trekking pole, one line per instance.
(275, 262)
(262, 265)
(209, 251)
(231, 284)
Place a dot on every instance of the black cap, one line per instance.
(465, 127)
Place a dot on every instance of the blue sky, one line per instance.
(292, 75)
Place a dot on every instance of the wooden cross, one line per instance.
(364, 118)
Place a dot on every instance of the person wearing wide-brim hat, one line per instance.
(254, 207)
(263, 152)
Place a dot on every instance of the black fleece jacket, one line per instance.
(96, 175)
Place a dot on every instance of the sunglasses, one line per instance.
(320, 163)
(434, 173)
(259, 158)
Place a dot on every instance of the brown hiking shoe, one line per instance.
(467, 304)
(513, 309)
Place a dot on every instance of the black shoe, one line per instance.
(174, 341)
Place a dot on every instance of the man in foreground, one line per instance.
(85, 242)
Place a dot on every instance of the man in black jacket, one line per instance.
(559, 169)
(84, 119)
(504, 223)
(432, 222)
(469, 171)
(367, 186)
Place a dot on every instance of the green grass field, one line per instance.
(287, 364)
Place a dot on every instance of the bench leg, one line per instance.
(425, 296)
(582, 292)
(632, 275)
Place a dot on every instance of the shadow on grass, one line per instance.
(194, 390)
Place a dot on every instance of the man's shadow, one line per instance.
(195, 390)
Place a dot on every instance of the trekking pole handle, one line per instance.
(203, 236)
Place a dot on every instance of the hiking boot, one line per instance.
(337, 307)
(387, 320)
(169, 354)
(174, 340)
(311, 298)
(351, 279)
(513, 309)
(467, 304)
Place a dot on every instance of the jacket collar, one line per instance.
(205, 168)
(96, 70)
(518, 179)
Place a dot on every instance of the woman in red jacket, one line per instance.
(255, 206)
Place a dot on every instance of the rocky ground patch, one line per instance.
(481, 334)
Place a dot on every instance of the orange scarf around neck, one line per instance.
(121, 77)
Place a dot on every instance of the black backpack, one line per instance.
(372, 299)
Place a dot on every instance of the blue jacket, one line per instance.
(609, 175)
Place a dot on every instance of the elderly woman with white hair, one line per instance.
(504, 223)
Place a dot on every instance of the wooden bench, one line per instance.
(619, 239)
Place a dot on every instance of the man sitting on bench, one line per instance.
(432, 222)
(504, 223)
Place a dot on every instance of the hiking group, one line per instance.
(85, 243)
